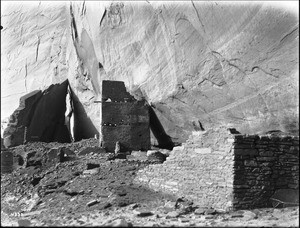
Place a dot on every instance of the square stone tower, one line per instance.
(123, 119)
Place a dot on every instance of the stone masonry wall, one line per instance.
(124, 119)
(226, 170)
(262, 165)
(200, 170)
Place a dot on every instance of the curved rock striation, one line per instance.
(198, 64)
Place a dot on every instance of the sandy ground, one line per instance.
(96, 190)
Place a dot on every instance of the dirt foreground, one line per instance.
(97, 189)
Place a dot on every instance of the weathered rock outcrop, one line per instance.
(199, 64)
(39, 117)
(15, 133)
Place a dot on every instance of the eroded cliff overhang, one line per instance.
(198, 64)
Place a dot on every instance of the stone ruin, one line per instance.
(228, 171)
(41, 117)
(218, 168)
(123, 119)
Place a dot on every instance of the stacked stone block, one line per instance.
(124, 119)
(203, 173)
(262, 165)
(227, 171)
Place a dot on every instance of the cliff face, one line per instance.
(199, 64)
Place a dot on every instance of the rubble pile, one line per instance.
(73, 185)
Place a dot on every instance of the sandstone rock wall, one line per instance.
(15, 133)
(39, 117)
(33, 49)
(48, 119)
(199, 64)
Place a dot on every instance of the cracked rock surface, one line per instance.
(199, 64)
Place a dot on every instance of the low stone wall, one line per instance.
(200, 170)
(226, 170)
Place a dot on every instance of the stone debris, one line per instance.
(62, 188)
(91, 171)
(184, 220)
(92, 165)
(91, 203)
(24, 223)
(209, 216)
(120, 156)
(142, 213)
(137, 155)
(157, 157)
(149, 152)
(166, 152)
(172, 214)
(200, 211)
(237, 214)
(249, 215)
(117, 148)
(118, 223)
(228, 171)
(170, 204)
(133, 206)
(89, 150)
(210, 211)
(111, 156)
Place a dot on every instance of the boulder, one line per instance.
(118, 223)
(170, 204)
(54, 155)
(142, 213)
(91, 203)
(32, 158)
(157, 157)
(200, 211)
(137, 155)
(47, 156)
(249, 215)
(91, 171)
(88, 150)
(172, 214)
(68, 154)
(285, 198)
(92, 166)
(121, 156)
